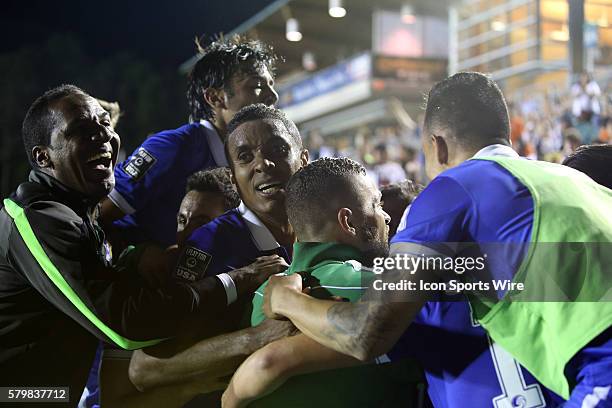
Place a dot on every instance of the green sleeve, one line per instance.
(258, 316)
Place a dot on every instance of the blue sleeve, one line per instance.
(440, 214)
(149, 170)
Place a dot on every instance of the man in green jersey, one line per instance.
(336, 236)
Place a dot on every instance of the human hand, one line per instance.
(249, 278)
(274, 290)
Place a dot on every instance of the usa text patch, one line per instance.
(193, 264)
(139, 164)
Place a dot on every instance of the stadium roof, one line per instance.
(328, 39)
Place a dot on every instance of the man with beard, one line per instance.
(336, 235)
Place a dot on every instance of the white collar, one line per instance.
(262, 236)
(496, 150)
(215, 144)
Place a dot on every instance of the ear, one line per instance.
(345, 221)
(40, 156)
(232, 178)
(215, 97)
(441, 149)
(304, 157)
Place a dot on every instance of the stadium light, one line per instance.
(498, 25)
(560, 35)
(336, 9)
(407, 13)
(293, 30)
(309, 63)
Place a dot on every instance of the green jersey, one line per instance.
(333, 269)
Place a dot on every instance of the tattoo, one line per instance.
(348, 318)
(359, 326)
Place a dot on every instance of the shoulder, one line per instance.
(223, 228)
(472, 181)
(182, 131)
(188, 134)
(474, 170)
(40, 220)
(42, 211)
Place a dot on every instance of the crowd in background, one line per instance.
(546, 125)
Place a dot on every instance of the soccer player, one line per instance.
(335, 236)
(209, 194)
(264, 149)
(230, 74)
(559, 330)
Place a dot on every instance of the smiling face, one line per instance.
(83, 147)
(263, 156)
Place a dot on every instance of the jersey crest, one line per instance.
(193, 264)
(139, 164)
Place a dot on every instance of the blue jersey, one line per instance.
(477, 201)
(230, 241)
(150, 184)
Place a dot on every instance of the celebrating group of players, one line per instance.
(239, 271)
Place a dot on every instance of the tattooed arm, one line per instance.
(364, 330)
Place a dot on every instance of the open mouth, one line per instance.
(270, 188)
(101, 161)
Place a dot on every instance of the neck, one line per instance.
(220, 126)
(279, 227)
(321, 233)
(462, 155)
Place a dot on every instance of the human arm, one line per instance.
(268, 368)
(206, 253)
(109, 212)
(158, 162)
(363, 330)
(209, 358)
(117, 391)
(63, 261)
(370, 327)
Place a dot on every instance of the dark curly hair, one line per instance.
(405, 190)
(260, 111)
(593, 160)
(313, 191)
(219, 63)
(215, 181)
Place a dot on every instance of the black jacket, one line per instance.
(46, 339)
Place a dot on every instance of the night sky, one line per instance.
(119, 50)
(161, 32)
